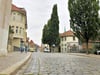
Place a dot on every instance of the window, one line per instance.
(21, 18)
(65, 49)
(13, 18)
(14, 13)
(62, 38)
(16, 29)
(74, 38)
(12, 27)
(18, 14)
(20, 30)
(65, 38)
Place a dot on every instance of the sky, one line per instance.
(39, 12)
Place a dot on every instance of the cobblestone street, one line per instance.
(62, 64)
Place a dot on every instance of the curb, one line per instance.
(15, 67)
(89, 55)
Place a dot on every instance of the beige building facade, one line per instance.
(18, 23)
(5, 9)
(69, 42)
(32, 46)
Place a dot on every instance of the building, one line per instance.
(18, 23)
(5, 9)
(69, 42)
(91, 45)
(32, 46)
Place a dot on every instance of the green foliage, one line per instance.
(51, 30)
(54, 27)
(84, 18)
(44, 34)
(97, 47)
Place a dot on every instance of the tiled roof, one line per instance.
(21, 10)
(67, 33)
(31, 42)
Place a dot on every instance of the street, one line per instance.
(62, 64)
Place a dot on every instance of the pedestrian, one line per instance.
(26, 46)
(22, 46)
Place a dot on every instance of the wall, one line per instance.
(67, 43)
(5, 9)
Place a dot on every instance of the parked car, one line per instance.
(46, 50)
(98, 51)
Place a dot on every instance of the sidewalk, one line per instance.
(11, 62)
(86, 55)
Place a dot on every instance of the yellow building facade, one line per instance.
(5, 9)
(18, 23)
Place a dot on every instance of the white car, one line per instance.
(98, 51)
(46, 50)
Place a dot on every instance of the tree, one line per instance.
(45, 34)
(51, 30)
(54, 28)
(84, 19)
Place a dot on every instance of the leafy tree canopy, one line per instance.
(51, 30)
(84, 18)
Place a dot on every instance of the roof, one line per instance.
(31, 43)
(67, 33)
(21, 10)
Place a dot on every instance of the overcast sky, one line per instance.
(38, 13)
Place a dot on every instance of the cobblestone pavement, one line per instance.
(62, 64)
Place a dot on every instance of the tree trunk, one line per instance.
(87, 51)
(50, 48)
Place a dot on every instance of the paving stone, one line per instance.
(64, 64)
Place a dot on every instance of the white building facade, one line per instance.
(69, 42)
